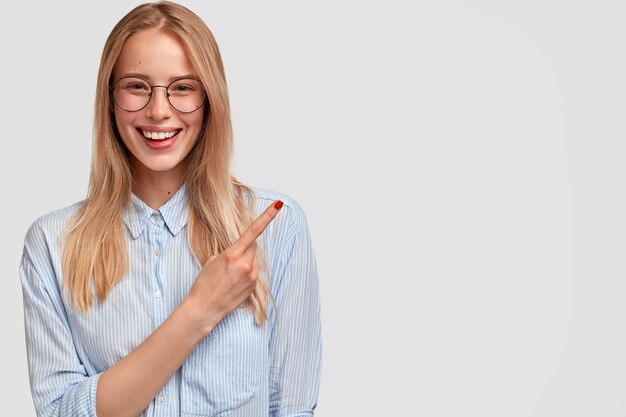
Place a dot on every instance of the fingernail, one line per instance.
(278, 205)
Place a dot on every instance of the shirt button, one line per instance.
(157, 251)
(157, 218)
(158, 294)
(161, 398)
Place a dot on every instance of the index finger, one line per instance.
(257, 227)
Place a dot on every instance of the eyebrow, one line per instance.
(145, 77)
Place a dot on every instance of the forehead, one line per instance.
(154, 54)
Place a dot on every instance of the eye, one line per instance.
(184, 87)
(134, 85)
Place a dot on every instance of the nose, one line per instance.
(159, 106)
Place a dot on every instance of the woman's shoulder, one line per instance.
(47, 229)
(264, 197)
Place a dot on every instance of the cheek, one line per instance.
(123, 122)
(194, 123)
(197, 119)
(120, 120)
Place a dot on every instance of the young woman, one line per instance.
(172, 289)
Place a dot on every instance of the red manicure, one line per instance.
(278, 205)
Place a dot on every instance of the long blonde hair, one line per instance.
(95, 248)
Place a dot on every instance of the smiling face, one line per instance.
(158, 136)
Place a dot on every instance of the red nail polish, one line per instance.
(278, 205)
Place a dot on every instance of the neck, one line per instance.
(155, 188)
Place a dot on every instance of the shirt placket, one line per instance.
(157, 234)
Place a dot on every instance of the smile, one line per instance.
(159, 135)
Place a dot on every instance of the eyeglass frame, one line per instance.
(167, 94)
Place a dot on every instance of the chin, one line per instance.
(160, 164)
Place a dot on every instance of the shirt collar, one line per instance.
(174, 213)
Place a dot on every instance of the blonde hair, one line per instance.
(95, 248)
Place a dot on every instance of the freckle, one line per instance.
(169, 192)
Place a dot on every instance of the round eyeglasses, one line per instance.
(185, 95)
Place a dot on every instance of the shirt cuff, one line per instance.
(92, 394)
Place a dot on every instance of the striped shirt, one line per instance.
(239, 370)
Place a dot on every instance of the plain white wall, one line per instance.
(460, 164)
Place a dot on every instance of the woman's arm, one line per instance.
(295, 342)
(60, 383)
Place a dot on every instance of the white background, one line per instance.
(461, 165)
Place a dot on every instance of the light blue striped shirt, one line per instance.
(239, 370)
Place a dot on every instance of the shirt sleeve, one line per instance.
(295, 342)
(58, 380)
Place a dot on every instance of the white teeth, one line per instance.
(158, 135)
